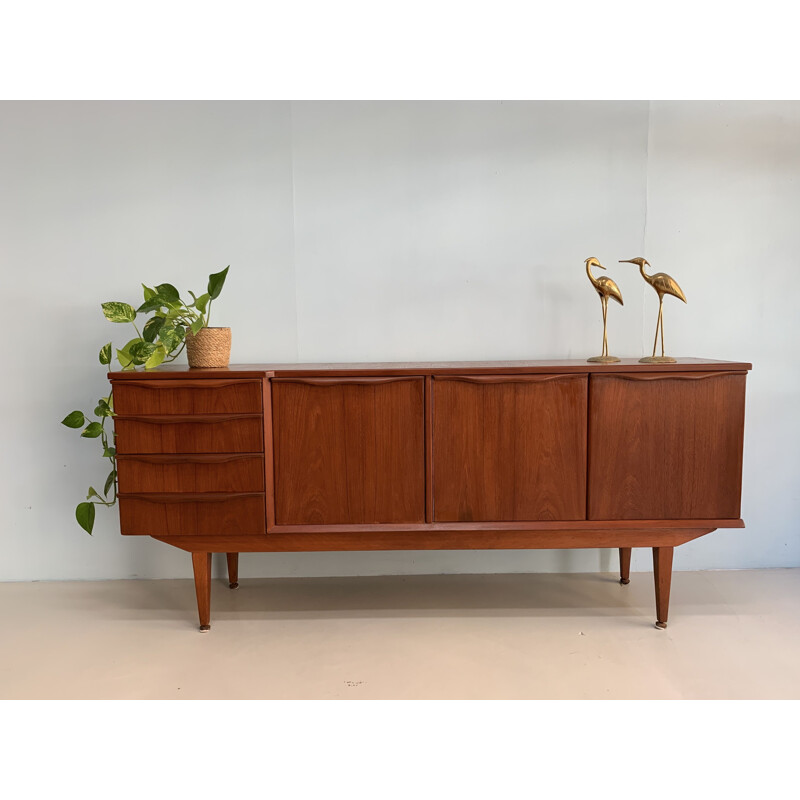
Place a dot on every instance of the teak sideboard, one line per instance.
(430, 456)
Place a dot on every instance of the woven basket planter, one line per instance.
(209, 347)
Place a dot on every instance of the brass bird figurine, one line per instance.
(606, 288)
(663, 284)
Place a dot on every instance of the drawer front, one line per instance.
(666, 445)
(509, 448)
(191, 473)
(187, 397)
(187, 515)
(219, 433)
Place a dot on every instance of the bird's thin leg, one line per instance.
(661, 317)
(605, 316)
(658, 324)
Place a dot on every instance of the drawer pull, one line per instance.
(508, 378)
(355, 381)
(175, 419)
(185, 497)
(183, 384)
(666, 376)
(190, 458)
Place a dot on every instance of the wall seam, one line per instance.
(294, 234)
(644, 225)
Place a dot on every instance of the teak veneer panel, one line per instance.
(212, 433)
(187, 397)
(191, 473)
(349, 450)
(509, 448)
(182, 372)
(192, 515)
(666, 446)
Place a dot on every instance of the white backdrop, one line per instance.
(391, 231)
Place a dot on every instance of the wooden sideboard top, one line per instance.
(182, 371)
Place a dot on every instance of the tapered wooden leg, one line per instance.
(233, 570)
(625, 565)
(201, 562)
(662, 573)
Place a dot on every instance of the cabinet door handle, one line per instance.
(666, 376)
(186, 497)
(345, 380)
(509, 378)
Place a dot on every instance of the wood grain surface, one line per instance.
(223, 472)
(666, 447)
(191, 515)
(218, 433)
(425, 540)
(183, 372)
(349, 451)
(509, 448)
(187, 397)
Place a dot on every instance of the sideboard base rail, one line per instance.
(662, 542)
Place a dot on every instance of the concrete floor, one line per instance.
(733, 634)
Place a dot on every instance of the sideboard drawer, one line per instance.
(188, 515)
(217, 433)
(191, 473)
(187, 397)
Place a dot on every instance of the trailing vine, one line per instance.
(160, 341)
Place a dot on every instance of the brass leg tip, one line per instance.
(624, 581)
(205, 628)
(661, 625)
(233, 585)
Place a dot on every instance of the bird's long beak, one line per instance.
(600, 265)
(627, 261)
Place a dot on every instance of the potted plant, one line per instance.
(174, 324)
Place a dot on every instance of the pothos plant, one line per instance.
(160, 340)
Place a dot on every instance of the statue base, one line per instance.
(658, 360)
(603, 359)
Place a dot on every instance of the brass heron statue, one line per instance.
(663, 284)
(606, 288)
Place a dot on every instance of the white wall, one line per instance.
(391, 231)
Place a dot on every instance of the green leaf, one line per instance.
(124, 359)
(109, 452)
(92, 493)
(153, 304)
(127, 346)
(151, 329)
(105, 354)
(74, 420)
(119, 312)
(109, 481)
(140, 351)
(148, 292)
(156, 358)
(84, 513)
(103, 409)
(216, 281)
(196, 325)
(168, 292)
(92, 430)
(171, 337)
(201, 303)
